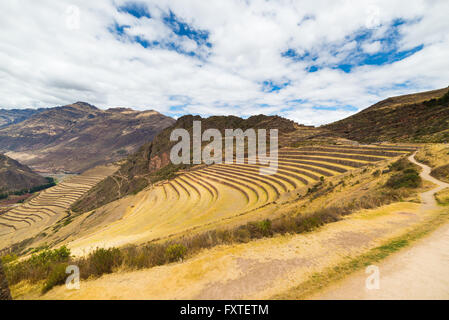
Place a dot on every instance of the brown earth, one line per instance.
(15, 176)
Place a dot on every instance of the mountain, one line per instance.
(13, 116)
(15, 176)
(151, 163)
(420, 117)
(79, 136)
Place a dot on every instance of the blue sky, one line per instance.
(312, 61)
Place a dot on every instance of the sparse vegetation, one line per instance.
(423, 117)
(175, 252)
(406, 175)
(442, 197)
(38, 267)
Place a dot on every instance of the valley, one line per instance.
(330, 199)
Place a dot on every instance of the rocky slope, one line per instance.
(77, 137)
(13, 116)
(15, 176)
(420, 117)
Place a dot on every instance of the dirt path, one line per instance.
(419, 272)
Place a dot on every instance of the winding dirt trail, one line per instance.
(419, 272)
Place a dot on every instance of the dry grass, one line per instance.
(437, 157)
(442, 197)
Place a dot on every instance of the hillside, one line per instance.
(151, 163)
(15, 176)
(13, 116)
(77, 137)
(421, 117)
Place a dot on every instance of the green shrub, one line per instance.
(175, 252)
(265, 227)
(8, 258)
(38, 267)
(407, 179)
(56, 277)
(104, 260)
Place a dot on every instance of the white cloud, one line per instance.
(43, 62)
(372, 47)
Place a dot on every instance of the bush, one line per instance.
(400, 165)
(407, 179)
(265, 227)
(36, 268)
(175, 252)
(145, 256)
(56, 277)
(103, 261)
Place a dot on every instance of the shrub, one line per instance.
(376, 173)
(265, 227)
(8, 258)
(36, 268)
(56, 277)
(103, 261)
(145, 256)
(407, 179)
(400, 165)
(175, 252)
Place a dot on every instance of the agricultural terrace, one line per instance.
(213, 193)
(49, 205)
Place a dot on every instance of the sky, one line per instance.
(311, 61)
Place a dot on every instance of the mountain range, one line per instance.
(13, 116)
(79, 136)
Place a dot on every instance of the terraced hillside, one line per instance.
(151, 163)
(48, 206)
(211, 194)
